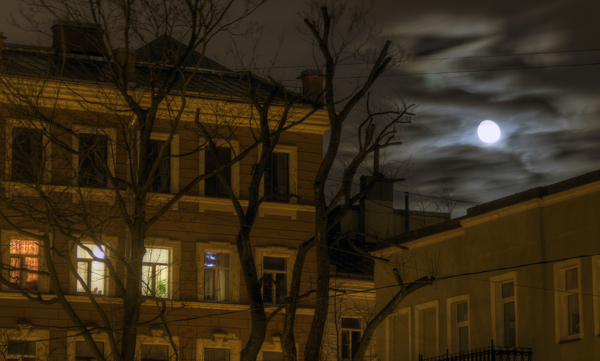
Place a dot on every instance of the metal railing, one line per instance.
(490, 353)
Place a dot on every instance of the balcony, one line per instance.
(490, 353)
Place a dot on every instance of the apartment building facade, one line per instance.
(71, 148)
(517, 278)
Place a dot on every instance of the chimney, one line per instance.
(312, 85)
(76, 37)
(126, 60)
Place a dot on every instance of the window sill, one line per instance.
(160, 199)
(569, 340)
(93, 195)
(271, 208)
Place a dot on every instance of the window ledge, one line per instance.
(160, 199)
(93, 195)
(12, 189)
(270, 208)
(569, 340)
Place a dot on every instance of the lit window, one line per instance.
(91, 269)
(508, 314)
(19, 350)
(568, 300)
(27, 155)
(277, 178)
(83, 351)
(155, 272)
(274, 279)
(212, 185)
(24, 257)
(216, 354)
(161, 179)
(216, 276)
(93, 165)
(351, 335)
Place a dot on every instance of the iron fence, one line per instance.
(490, 353)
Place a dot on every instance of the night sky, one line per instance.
(457, 52)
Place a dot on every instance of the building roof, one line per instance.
(521, 197)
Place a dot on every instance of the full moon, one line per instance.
(488, 131)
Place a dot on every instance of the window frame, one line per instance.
(173, 162)
(596, 291)
(498, 302)
(229, 341)
(280, 252)
(156, 340)
(73, 337)
(7, 235)
(453, 325)
(47, 146)
(420, 308)
(390, 333)
(111, 150)
(360, 330)
(41, 337)
(292, 152)
(112, 243)
(234, 146)
(561, 299)
(234, 268)
(174, 248)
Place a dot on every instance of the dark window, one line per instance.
(154, 352)
(274, 279)
(277, 178)
(272, 356)
(19, 350)
(212, 185)
(216, 354)
(27, 155)
(93, 155)
(161, 180)
(83, 351)
(351, 335)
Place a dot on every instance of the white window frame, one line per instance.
(7, 235)
(292, 151)
(596, 288)
(342, 330)
(498, 302)
(30, 124)
(281, 252)
(221, 340)
(560, 299)
(419, 308)
(156, 340)
(41, 338)
(112, 243)
(234, 145)
(234, 268)
(453, 325)
(174, 248)
(390, 333)
(73, 336)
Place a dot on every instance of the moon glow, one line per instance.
(488, 131)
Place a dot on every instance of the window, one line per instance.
(24, 257)
(24, 344)
(27, 152)
(277, 178)
(19, 350)
(155, 272)
(213, 186)
(166, 176)
(504, 309)
(226, 151)
(277, 263)
(224, 347)
(426, 329)
(567, 280)
(280, 182)
(272, 351)
(83, 352)
(351, 335)
(216, 276)
(25, 260)
(274, 279)
(458, 323)
(93, 160)
(91, 268)
(218, 272)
